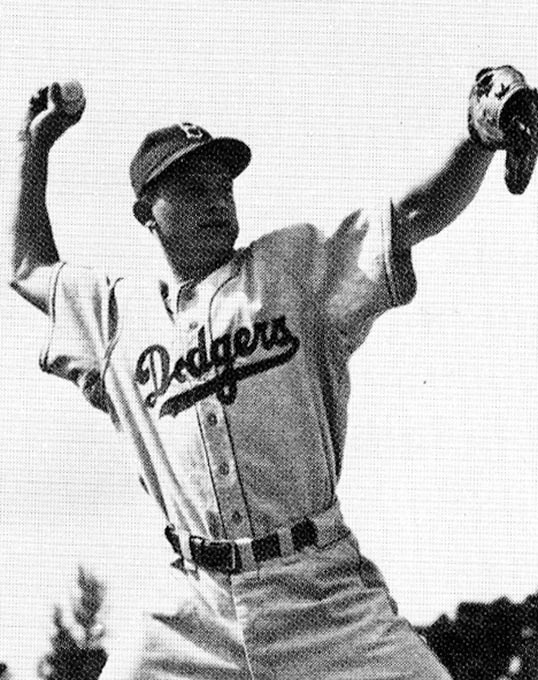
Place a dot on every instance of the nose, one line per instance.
(220, 204)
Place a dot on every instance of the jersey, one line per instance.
(233, 391)
(199, 377)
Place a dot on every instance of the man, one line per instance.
(229, 374)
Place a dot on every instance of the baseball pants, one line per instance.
(324, 613)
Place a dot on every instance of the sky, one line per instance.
(342, 103)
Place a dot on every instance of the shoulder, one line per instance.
(82, 278)
(80, 289)
(293, 235)
(289, 245)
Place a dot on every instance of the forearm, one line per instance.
(433, 205)
(31, 242)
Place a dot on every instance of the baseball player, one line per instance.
(228, 371)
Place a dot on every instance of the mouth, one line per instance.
(216, 223)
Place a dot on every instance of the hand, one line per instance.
(46, 119)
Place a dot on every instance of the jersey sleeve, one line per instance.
(363, 271)
(352, 276)
(82, 325)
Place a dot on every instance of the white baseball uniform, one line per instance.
(234, 393)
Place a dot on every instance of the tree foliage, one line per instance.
(491, 641)
(76, 650)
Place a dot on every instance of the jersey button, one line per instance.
(193, 325)
(224, 469)
(237, 517)
(212, 418)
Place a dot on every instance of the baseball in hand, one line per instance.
(73, 97)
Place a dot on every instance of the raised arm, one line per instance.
(433, 205)
(503, 114)
(31, 248)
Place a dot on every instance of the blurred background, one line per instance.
(343, 103)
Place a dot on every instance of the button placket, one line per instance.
(221, 491)
(189, 329)
(221, 460)
(212, 421)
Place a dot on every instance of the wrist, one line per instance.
(478, 148)
(33, 149)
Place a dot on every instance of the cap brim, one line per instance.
(232, 153)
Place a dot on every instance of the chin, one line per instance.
(221, 254)
(219, 229)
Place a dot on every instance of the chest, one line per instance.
(212, 337)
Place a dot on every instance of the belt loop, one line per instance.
(284, 539)
(244, 546)
(183, 542)
(330, 526)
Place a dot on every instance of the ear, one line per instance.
(142, 211)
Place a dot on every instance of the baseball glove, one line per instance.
(503, 114)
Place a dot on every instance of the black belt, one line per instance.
(224, 556)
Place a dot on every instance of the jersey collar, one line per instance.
(170, 288)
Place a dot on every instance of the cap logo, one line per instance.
(192, 131)
(165, 146)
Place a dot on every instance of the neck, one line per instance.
(188, 269)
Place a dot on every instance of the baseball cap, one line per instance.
(166, 146)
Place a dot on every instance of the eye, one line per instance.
(197, 188)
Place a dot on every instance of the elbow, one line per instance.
(420, 219)
(32, 285)
(16, 282)
(12, 276)
(17, 274)
(21, 270)
(11, 282)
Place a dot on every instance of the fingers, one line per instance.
(38, 101)
(57, 103)
(47, 97)
(46, 118)
(37, 104)
(55, 94)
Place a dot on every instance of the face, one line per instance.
(195, 212)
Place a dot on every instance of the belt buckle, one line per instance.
(304, 534)
(196, 545)
(211, 555)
